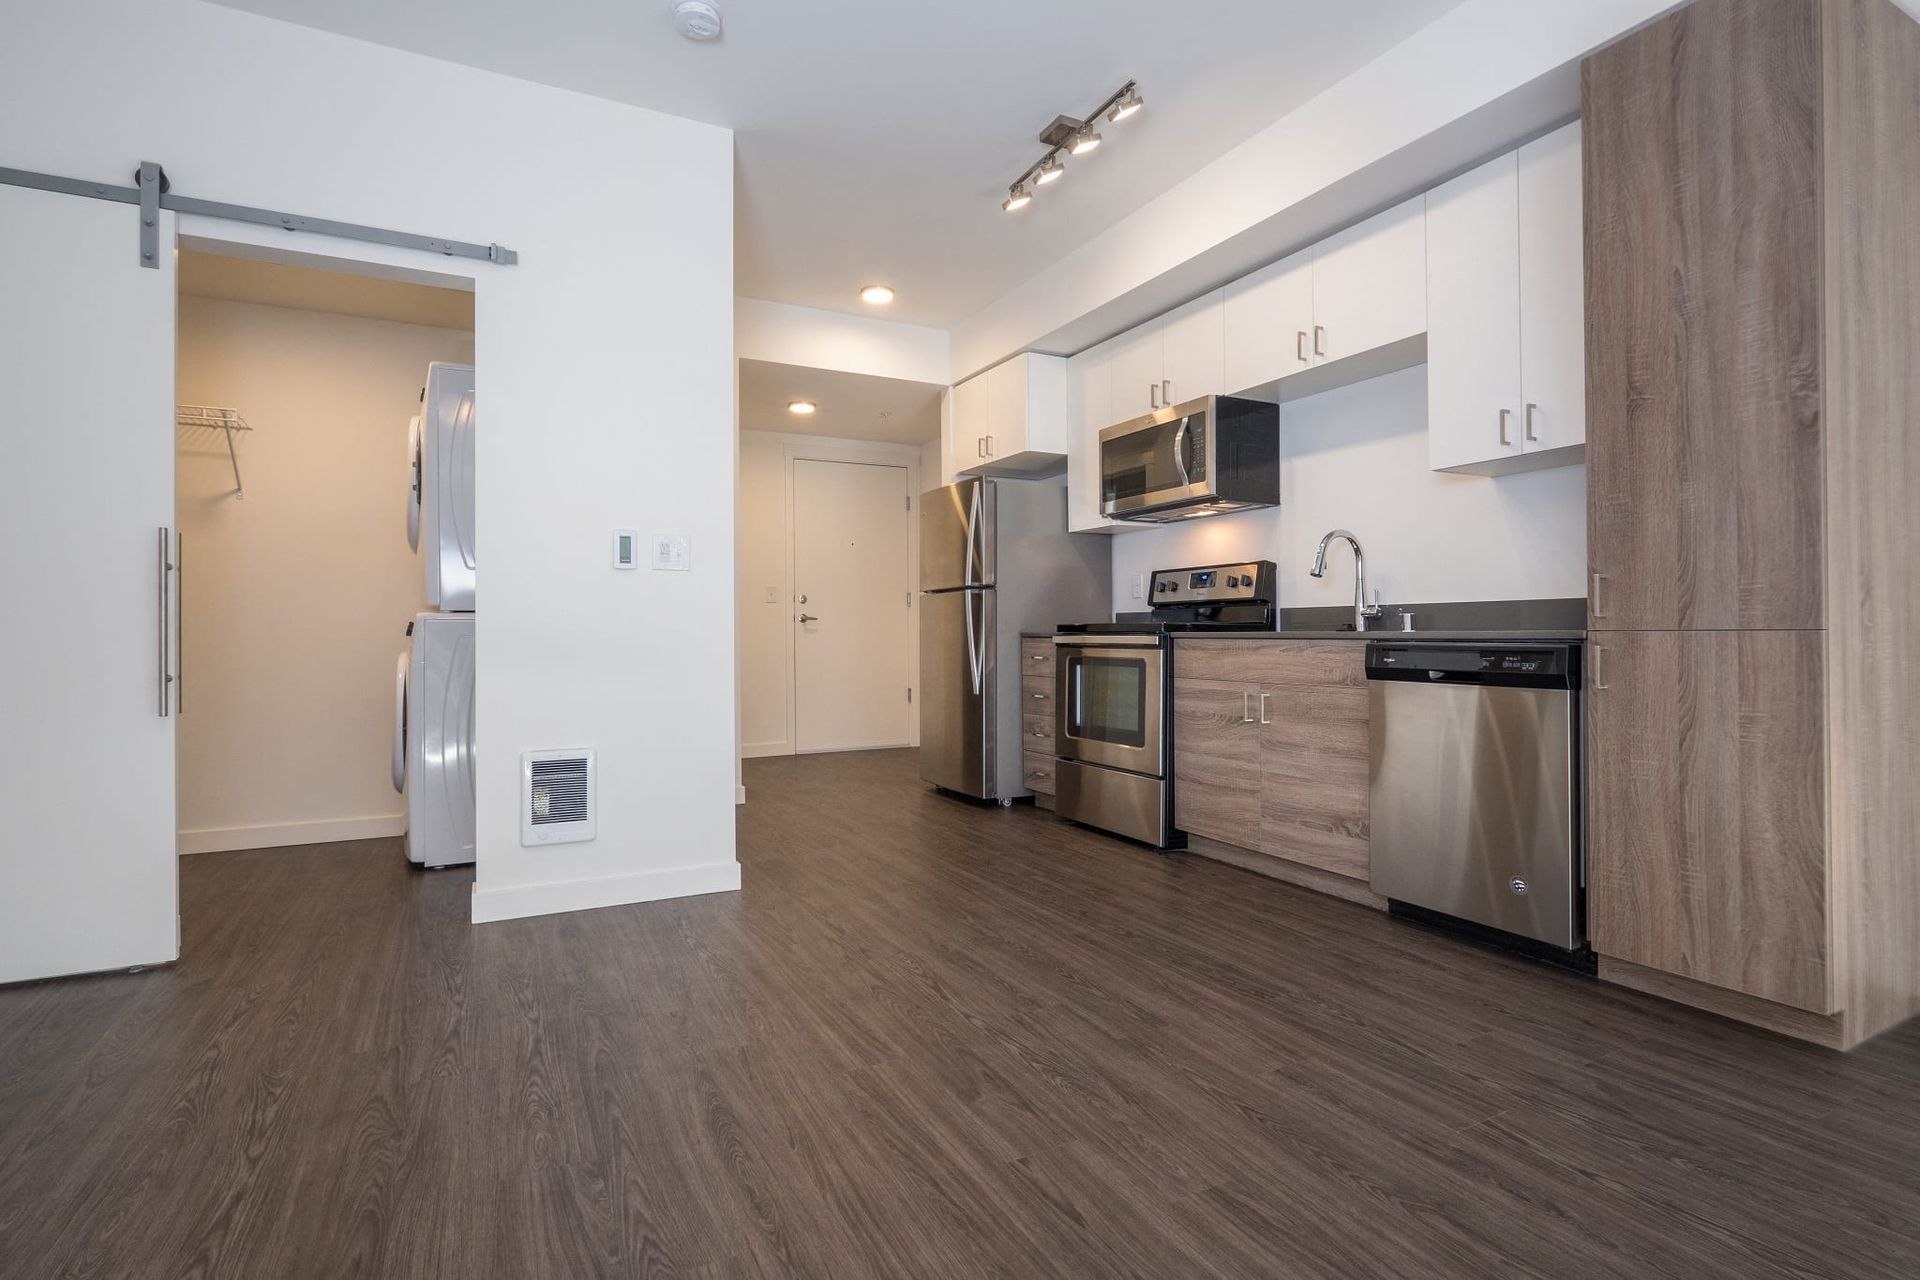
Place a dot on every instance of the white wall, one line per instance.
(300, 592)
(782, 333)
(765, 562)
(1356, 458)
(605, 358)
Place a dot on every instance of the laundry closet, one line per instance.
(326, 567)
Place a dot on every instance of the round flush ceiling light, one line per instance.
(801, 407)
(697, 19)
(878, 295)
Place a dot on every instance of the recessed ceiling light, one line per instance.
(1018, 197)
(1129, 103)
(801, 407)
(877, 294)
(1084, 141)
(697, 19)
(1049, 171)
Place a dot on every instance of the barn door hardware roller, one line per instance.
(152, 192)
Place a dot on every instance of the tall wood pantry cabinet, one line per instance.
(1752, 212)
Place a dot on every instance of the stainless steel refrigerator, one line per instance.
(995, 560)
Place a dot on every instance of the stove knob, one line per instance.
(1233, 580)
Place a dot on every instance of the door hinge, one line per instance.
(909, 693)
(909, 502)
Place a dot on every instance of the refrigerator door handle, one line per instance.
(967, 577)
(973, 650)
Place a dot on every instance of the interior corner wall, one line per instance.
(299, 593)
(605, 363)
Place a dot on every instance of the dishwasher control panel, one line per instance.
(1552, 664)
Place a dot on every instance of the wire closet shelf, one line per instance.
(214, 418)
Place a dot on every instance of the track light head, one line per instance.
(1129, 103)
(1018, 197)
(1050, 169)
(1083, 142)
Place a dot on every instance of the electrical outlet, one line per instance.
(773, 595)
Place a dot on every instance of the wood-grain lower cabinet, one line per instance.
(1037, 715)
(1706, 809)
(1270, 748)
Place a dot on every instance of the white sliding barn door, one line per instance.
(88, 874)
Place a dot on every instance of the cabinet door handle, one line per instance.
(989, 446)
(1246, 706)
(1593, 603)
(1263, 708)
(1153, 395)
(1166, 393)
(166, 622)
(1598, 685)
(1319, 339)
(1530, 412)
(1300, 347)
(1506, 416)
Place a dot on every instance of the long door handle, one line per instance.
(166, 622)
(1594, 603)
(1598, 685)
(180, 620)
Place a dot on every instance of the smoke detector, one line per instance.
(697, 19)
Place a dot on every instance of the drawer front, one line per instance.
(1037, 731)
(1037, 693)
(1318, 663)
(1036, 659)
(1037, 775)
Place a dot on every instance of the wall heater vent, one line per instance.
(557, 802)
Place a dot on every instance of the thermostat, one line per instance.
(626, 549)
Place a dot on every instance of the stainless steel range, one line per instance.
(1113, 731)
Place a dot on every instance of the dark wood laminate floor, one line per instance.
(929, 1039)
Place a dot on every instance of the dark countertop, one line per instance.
(1488, 634)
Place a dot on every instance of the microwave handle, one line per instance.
(1180, 452)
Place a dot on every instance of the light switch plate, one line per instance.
(1139, 585)
(673, 551)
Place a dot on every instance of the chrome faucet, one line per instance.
(1361, 609)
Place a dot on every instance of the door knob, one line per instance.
(806, 617)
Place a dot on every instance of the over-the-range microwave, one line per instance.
(1201, 458)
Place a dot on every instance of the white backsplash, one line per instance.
(1356, 458)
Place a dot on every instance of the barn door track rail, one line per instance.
(152, 193)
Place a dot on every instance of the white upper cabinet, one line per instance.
(1553, 318)
(1089, 411)
(1192, 347)
(1012, 419)
(1506, 337)
(1370, 284)
(1267, 324)
(1137, 365)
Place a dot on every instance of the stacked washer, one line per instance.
(433, 683)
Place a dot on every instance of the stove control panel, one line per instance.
(1251, 582)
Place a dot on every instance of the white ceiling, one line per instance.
(851, 406)
(876, 138)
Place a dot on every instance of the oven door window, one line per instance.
(1109, 701)
(1149, 461)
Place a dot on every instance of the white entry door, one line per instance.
(88, 875)
(852, 651)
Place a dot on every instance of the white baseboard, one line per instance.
(280, 835)
(517, 901)
(754, 750)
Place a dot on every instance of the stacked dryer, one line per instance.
(433, 683)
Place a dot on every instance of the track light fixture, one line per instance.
(1072, 137)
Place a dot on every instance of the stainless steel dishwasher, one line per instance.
(1476, 787)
